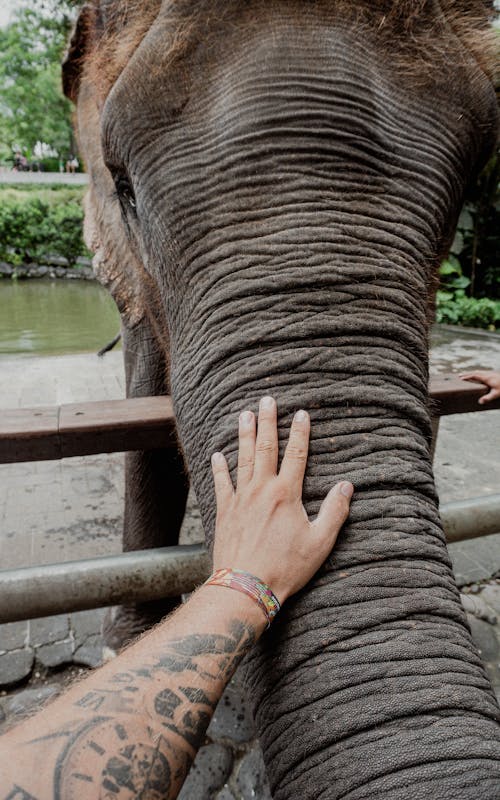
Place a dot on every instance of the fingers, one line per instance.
(294, 462)
(222, 480)
(477, 376)
(489, 379)
(266, 446)
(246, 450)
(334, 510)
(491, 395)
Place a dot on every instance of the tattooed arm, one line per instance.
(133, 727)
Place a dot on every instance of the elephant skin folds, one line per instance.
(287, 182)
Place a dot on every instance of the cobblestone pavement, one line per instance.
(57, 511)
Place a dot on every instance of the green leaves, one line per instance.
(452, 279)
(469, 311)
(32, 229)
(450, 266)
(32, 106)
(473, 265)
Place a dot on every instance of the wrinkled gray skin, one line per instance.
(290, 190)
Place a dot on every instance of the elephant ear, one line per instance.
(79, 46)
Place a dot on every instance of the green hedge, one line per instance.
(469, 311)
(31, 229)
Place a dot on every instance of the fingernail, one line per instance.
(246, 418)
(267, 403)
(217, 459)
(301, 416)
(347, 489)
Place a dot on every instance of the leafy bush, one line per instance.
(32, 229)
(49, 164)
(453, 307)
(477, 240)
(61, 232)
(470, 311)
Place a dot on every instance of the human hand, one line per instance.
(262, 526)
(489, 378)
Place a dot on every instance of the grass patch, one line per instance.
(51, 194)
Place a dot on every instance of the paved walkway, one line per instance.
(9, 176)
(56, 511)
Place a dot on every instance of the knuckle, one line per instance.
(265, 446)
(296, 451)
(245, 463)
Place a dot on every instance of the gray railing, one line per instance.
(39, 434)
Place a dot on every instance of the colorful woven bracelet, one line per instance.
(249, 585)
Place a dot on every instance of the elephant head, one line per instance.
(285, 177)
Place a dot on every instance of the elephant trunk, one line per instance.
(310, 211)
(370, 677)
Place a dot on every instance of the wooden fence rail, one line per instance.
(40, 434)
(147, 423)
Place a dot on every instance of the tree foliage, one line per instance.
(32, 106)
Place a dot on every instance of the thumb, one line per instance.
(334, 510)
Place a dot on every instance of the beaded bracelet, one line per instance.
(249, 585)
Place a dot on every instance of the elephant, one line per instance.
(273, 184)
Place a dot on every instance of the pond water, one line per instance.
(55, 317)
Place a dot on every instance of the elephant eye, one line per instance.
(125, 191)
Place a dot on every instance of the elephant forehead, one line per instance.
(194, 61)
(295, 96)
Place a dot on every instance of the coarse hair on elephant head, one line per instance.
(281, 179)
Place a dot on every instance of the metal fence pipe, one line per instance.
(132, 577)
(468, 519)
(143, 575)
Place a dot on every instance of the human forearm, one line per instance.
(132, 729)
(139, 721)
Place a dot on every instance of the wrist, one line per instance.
(233, 604)
(247, 583)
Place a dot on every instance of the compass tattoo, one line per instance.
(120, 749)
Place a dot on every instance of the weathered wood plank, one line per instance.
(451, 395)
(28, 431)
(143, 423)
(147, 423)
(42, 434)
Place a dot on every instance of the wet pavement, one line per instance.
(57, 511)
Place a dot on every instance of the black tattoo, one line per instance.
(79, 777)
(228, 649)
(192, 727)
(60, 772)
(107, 700)
(97, 748)
(102, 752)
(166, 702)
(19, 794)
(195, 695)
(121, 732)
(138, 768)
(91, 700)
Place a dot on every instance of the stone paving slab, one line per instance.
(467, 458)
(55, 511)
